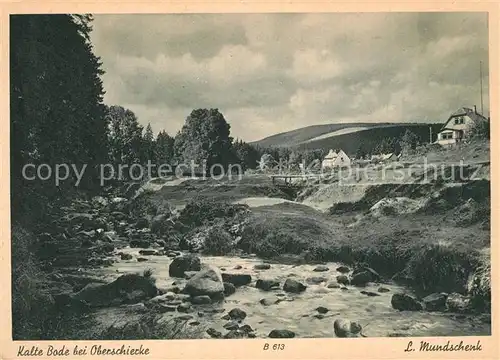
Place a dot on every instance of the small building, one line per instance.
(336, 159)
(456, 127)
(384, 157)
(389, 157)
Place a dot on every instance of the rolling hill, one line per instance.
(346, 136)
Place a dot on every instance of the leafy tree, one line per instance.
(246, 154)
(125, 136)
(409, 140)
(388, 145)
(361, 153)
(205, 136)
(480, 130)
(266, 161)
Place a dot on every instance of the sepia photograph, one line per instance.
(250, 175)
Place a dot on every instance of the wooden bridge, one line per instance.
(287, 178)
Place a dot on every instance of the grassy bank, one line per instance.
(432, 251)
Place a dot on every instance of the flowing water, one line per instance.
(297, 312)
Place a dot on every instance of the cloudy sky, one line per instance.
(269, 73)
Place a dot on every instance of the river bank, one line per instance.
(114, 270)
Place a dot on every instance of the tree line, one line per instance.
(58, 116)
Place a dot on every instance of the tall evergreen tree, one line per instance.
(57, 114)
(164, 150)
(148, 146)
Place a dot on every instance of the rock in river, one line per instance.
(294, 286)
(458, 303)
(281, 334)
(343, 269)
(237, 279)
(137, 243)
(269, 301)
(315, 280)
(229, 289)
(321, 268)
(343, 280)
(184, 263)
(345, 328)
(363, 275)
(262, 267)
(126, 256)
(206, 282)
(405, 302)
(322, 310)
(148, 252)
(214, 333)
(237, 314)
(435, 301)
(361, 278)
(267, 284)
(127, 288)
(231, 325)
(201, 300)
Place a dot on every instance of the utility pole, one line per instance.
(430, 134)
(481, 84)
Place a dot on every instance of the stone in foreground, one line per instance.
(206, 282)
(281, 334)
(294, 286)
(405, 302)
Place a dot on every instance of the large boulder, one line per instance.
(237, 279)
(237, 314)
(321, 268)
(229, 289)
(363, 275)
(315, 280)
(435, 301)
(344, 328)
(207, 282)
(294, 286)
(267, 284)
(343, 269)
(281, 334)
(343, 279)
(126, 289)
(458, 303)
(184, 263)
(405, 302)
(138, 243)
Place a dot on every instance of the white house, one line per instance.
(456, 127)
(389, 157)
(385, 157)
(334, 159)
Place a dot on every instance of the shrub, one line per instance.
(201, 211)
(269, 242)
(32, 304)
(218, 241)
(150, 326)
(439, 267)
(480, 130)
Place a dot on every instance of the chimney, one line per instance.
(475, 110)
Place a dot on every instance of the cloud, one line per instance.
(270, 73)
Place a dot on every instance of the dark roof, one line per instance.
(464, 111)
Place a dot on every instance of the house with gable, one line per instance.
(456, 127)
(335, 159)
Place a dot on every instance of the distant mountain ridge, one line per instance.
(331, 135)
